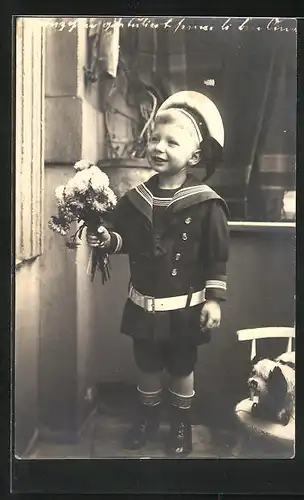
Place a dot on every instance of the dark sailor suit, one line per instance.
(181, 259)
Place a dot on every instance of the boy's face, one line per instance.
(174, 144)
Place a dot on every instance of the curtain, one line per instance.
(248, 73)
(260, 120)
(103, 47)
(275, 155)
(170, 61)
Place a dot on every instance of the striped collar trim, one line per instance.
(182, 198)
(161, 202)
(145, 193)
(190, 191)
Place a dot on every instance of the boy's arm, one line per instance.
(217, 252)
(116, 229)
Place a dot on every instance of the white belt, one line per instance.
(151, 304)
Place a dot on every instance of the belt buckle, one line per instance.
(149, 304)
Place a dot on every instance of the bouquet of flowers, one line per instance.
(88, 200)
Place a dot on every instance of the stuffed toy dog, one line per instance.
(272, 388)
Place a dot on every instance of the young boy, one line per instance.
(174, 229)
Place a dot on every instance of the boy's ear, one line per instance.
(195, 158)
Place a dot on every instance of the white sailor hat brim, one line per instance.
(202, 106)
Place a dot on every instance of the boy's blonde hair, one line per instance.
(206, 119)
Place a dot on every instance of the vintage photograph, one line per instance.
(155, 216)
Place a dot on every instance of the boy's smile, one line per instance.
(173, 144)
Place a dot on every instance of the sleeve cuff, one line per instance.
(118, 242)
(216, 289)
(115, 243)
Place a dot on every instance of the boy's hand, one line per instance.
(101, 239)
(210, 315)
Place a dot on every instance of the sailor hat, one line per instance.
(200, 110)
